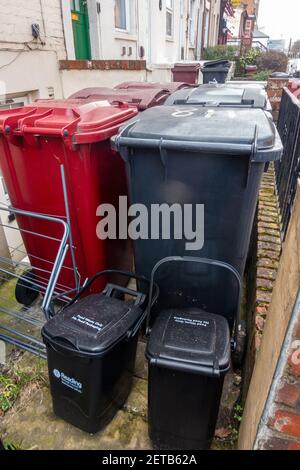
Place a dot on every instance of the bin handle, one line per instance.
(188, 146)
(184, 367)
(191, 259)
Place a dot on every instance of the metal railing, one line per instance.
(20, 325)
(288, 169)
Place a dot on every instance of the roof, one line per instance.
(260, 34)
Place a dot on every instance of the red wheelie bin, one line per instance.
(140, 98)
(170, 86)
(36, 143)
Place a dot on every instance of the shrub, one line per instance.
(273, 60)
(221, 52)
(249, 57)
(262, 76)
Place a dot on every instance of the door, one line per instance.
(80, 22)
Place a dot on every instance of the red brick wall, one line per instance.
(102, 64)
(283, 421)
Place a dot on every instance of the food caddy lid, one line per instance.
(191, 341)
(93, 325)
(220, 95)
(222, 131)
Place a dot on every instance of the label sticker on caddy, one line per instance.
(88, 322)
(68, 381)
(192, 321)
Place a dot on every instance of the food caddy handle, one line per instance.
(205, 261)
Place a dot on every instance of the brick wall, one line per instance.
(262, 268)
(275, 89)
(17, 18)
(282, 422)
(271, 417)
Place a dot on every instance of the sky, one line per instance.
(280, 19)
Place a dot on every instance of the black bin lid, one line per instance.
(190, 340)
(217, 130)
(221, 95)
(212, 64)
(93, 325)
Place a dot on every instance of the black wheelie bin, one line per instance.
(215, 71)
(229, 94)
(208, 162)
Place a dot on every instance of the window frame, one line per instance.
(170, 11)
(127, 18)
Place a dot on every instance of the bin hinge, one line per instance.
(253, 153)
(163, 157)
(216, 367)
(116, 142)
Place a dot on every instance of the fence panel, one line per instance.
(287, 171)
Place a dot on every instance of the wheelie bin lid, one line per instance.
(140, 98)
(213, 64)
(221, 95)
(186, 67)
(192, 341)
(75, 121)
(170, 86)
(92, 326)
(222, 131)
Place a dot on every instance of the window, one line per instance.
(75, 5)
(169, 18)
(193, 23)
(13, 103)
(122, 18)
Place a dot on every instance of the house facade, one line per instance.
(242, 24)
(145, 36)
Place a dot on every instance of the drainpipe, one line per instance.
(209, 24)
(203, 27)
(181, 45)
(150, 32)
(197, 34)
(188, 14)
(137, 22)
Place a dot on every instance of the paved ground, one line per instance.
(30, 423)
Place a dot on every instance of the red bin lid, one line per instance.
(76, 121)
(170, 86)
(186, 67)
(140, 98)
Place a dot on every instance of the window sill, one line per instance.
(125, 35)
(170, 39)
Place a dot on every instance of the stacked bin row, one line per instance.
(213, 154)
(205, 149)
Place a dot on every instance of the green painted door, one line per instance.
(80, 21)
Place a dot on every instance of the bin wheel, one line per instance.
(240, 350)
(25, 293)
